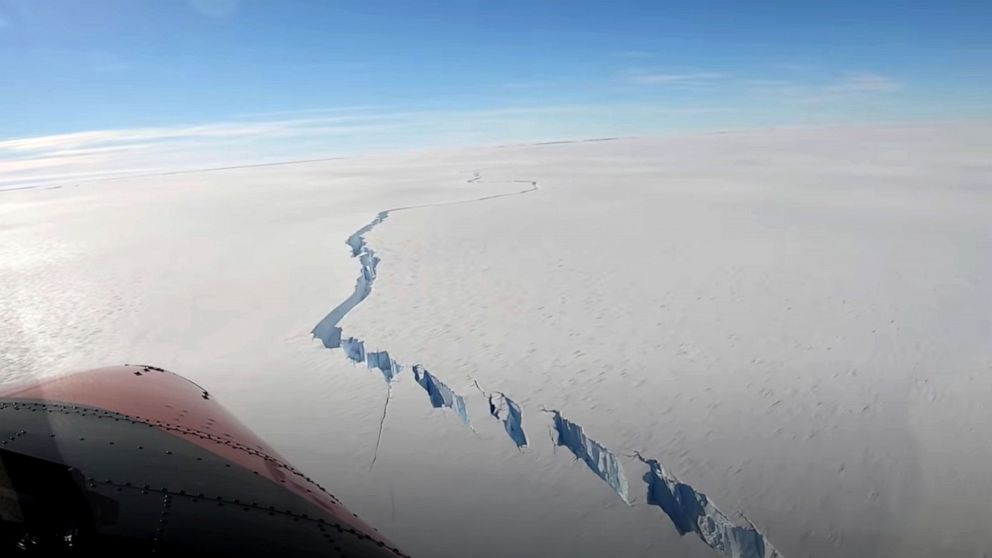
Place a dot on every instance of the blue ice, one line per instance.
(599, 459)
(693, 512)
(441, 395)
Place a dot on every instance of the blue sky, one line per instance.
(275, 79)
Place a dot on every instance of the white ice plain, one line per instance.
(795, 322)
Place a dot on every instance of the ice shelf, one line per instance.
(689, 511)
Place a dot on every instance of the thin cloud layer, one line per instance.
(34, 160)
(847, 87)
(323, 132)
(676, 79)
(865, 83)
(807, 89)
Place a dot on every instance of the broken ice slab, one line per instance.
(354, 349)
(507, 410)
(380, 360)
(693, 512)
(441, 395)
(599, 459)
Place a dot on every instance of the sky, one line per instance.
(90, 87)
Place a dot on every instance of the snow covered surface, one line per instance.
(794, 322)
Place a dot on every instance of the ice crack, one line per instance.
(690, 511)
(599, 459)
(693, 512)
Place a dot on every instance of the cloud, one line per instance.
(42, 143)
(353, 111)
(691, 78)
(108, 152)
(317, 133)
(313, 134)
(222, 131)
(845, 88)
(768, 83)
(864, 83)
(786, 88)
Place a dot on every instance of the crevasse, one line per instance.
(506, 410)
(599, 459)
(689, 511)
(693, 512)
(441, 395)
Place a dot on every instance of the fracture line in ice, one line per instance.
(441, 395)
(330, 333)
(327, 329)
(380, 360)
(693, 512)
(689, 510)
(507, 411)
(599, 459)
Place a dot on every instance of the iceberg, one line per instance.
(441, 395)
(599, 459)
(693, 512)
